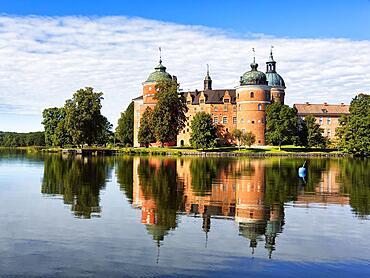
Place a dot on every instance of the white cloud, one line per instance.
(43, 60)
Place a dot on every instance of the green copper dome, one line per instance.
(275, 80)
(253, 77)
(159, 74)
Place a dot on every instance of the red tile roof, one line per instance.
(321, 109)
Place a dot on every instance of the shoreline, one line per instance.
(218, 152)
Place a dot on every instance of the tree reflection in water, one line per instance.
(78, 179)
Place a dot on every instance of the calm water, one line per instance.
(150, 217)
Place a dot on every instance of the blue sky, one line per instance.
(290, 18)
(50, 49)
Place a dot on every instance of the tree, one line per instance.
(125, 127)
(314, 132)
(248, 138)
(54, 126)
(237, 135)
(84, 121)
(146, 134)
(281, 124)
(203, 132)
(354, 133)
(169, 113)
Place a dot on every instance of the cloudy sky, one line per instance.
(46, 56)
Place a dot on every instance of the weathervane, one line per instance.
(207, 69)
(254, 55)
(160, 54)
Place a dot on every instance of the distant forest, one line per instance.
(14, 139)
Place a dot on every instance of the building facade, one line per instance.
(326, 115)
(243, 107)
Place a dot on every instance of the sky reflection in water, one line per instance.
(183, 217)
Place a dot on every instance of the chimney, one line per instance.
(325, 104)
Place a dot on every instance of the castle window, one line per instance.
(329, 133)
(224, 120)
(251, 95)
(243, 130)
(238, 95)
(225, 107)
(320, 121)
(252, 122)
(201, 101)
(215, 120)
(187, 130)
(234, 120)
(150, 88)
(188, 102)
(226, 100)
(215, 108)
(328, 120)
(259, 107)
(259, 121)
(234, 108)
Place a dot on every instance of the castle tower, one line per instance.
(207, 81)
(252, 97)
(275, 81)
(147, 99)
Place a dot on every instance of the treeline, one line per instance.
(15, 139)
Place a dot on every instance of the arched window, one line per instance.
(252, 95)
(259, 107)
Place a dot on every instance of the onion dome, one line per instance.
(253, 77)
(273, 78)
(159, 74)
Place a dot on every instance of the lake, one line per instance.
(65, 216)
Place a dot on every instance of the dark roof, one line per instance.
(138, 98)
(321, 109)
(212, 96)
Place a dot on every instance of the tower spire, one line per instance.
(207, 81)
(271, 64)
(160, 54)
(253, 64)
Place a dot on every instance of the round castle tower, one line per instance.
(252, 97)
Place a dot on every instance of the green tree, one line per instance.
(169, 113)
(203, 132)
(84, 121)
(248, 138)
(237, 135)
(314, 132)
(54, 126)
(125, 127)
(354, 133)
(146, 134)
(281, 124)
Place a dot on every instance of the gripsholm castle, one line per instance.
(243, 107)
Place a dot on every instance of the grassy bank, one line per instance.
(220, 151)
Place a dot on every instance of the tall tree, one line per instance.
(355, 137)
(84, 121)
(125, 127)
(203, 132)
(281, 124)
(146, 133)
(54, 126)
(169, 113)
(314, 132)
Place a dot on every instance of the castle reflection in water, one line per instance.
(232, 189)
(252, 192)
